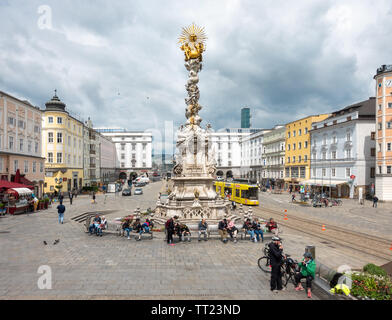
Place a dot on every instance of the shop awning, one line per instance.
(7, 185)
(322, 183)
(21, 191)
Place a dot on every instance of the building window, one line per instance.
(373, 136)
(389, 125)
(50, 157)
(379, 107)
(314, 172)
(122, 156)
(306, 144)
(59, 137)
(324, 172)
(287, 172)
(133, 146)
(388, 147)
(294, 133)
(302, 172)
(299, 158)
(26, 166)
(59, 120)
(288, 159)
(372, 172)
(294, 172)
(11, 143)
(299, 132)
(41, 167)
(50, 119)
(348, 172)
(36, 147)
(333, 155)
(333, 172)
(11, 121)
(20, 144)
(293, 146)
(306, 158)
(379, 126)
(324, 155)
(50, 137)
(389, 105)
(348, 154)
(373, 152)
(299, 145)
(288, 134)
(288, 147)
(306, 130)
(59, 157)
(293, 159)
(122, 146)
(29, 146)
(389, 169)
(16, 165)
(122, 165)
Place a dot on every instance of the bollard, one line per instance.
(312, 250)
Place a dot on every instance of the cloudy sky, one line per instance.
(119, 61)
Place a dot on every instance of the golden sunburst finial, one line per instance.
(192, 40)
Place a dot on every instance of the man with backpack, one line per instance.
(60, 211)
(170, 226)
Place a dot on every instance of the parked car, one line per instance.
(126, 192)
(140, 184)
(138, 191)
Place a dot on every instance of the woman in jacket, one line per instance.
(307, 271)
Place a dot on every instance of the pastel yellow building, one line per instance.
(297, 164)
(62, 146)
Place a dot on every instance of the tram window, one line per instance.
(228, 190)
(237, 193)
(251, 194)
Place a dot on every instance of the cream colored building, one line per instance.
(62, 147)
(20, 141)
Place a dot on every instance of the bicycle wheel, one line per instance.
(264, 264)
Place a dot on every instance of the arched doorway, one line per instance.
(229, 174)
(122, 176)
(220, 173)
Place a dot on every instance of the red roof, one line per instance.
(7, 185)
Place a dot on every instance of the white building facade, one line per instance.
(273, 157)
(134, 151)
(343, 152)
(251, 154)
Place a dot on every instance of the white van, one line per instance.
(143, 179)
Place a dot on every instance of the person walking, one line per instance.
(94, 197)
(276, 256)
(70, 197)
(60, 211)
(61, 197)
(375, 200)
(307, 270)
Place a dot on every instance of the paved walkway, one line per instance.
(88, 267)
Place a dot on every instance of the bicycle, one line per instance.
(289, 268)
(336, 202)
(264, 262)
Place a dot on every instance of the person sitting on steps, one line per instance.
(137, 226)
(257, 230)
(203, 229)
(272, 226)
(307, 270)
(249, 230)
(232, 230)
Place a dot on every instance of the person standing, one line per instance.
(61, 197)
(70, 197)
(375, 200)
(222, 229)
(276, 256)
(60, 211)
(170, 230)
(94, 197)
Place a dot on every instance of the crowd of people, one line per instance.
(137, 226)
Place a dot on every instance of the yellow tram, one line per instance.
(238, 192)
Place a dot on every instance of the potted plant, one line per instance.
(40, 204)
(46, 203)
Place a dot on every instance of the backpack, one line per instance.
(167, 224)
(335, 279)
